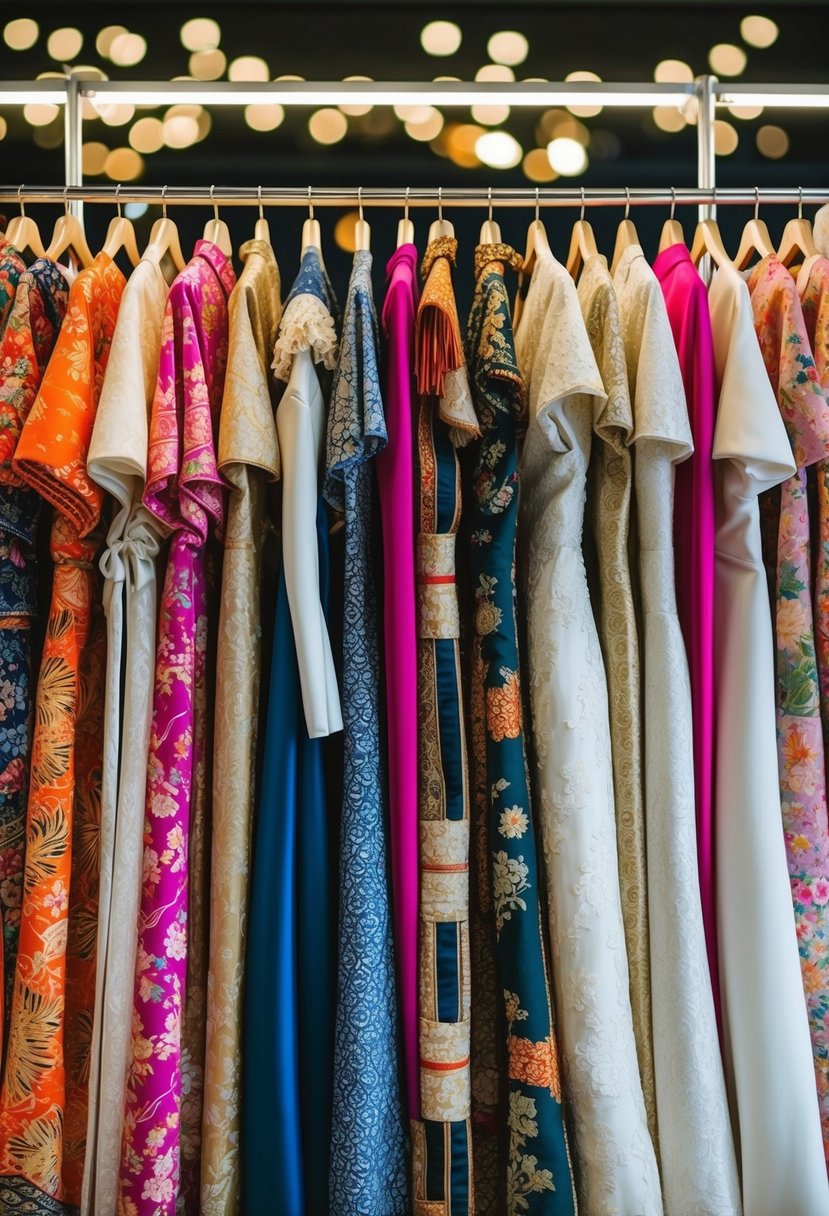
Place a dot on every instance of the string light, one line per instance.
(106, 37)
(726, 59)
(264, 117)
(201, 34)
(567, 156)
(64, 44)
(21, 34)
(327, 126)
(440, 38)
(508, 46)
(127, 50)
(207, 65)
(759, 31)
(673, 71)
(498, 149)
(537, 167)
(147, 135)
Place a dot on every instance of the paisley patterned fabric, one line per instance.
(368, 1164)
(117, 461)
(162, 1118)
(785, 341)
(536, 1174)
(609, 494)
(248, 457)
(29, 337)
(442, 1151)
(43, 1104)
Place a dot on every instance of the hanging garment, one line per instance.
(810, 843)
(536, 1176)
(441, 1142)
(686, 300)
(43, 1105)
(610, 482)
(395, 480)
(12, 266)
(28, 340)
(699, 1171)
(368, 1171)
(117, 461)
(288, 1038)
(162, 1120)
(618, 1169)
(248, 458)
(774, 1107)
(781, 331)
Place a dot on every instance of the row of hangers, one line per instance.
(69, 236)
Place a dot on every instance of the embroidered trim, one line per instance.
(306, 325)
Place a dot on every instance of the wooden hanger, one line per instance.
(440, 227)
(164, 238)
(405, 227)
(626, 235)
(490, 230)
(362, 229)
(582, 243)
(261, 231)
(755, 238)
(536, 239)
(69, 236)
(24, 233)
(797, 240)
(311, 234)
(121, 235)
(707, 240)
(216, 231)
(672, 233)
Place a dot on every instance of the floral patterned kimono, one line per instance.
(442, 1149)
(43, 1105)
(536, 1176)
(162, 1121)
(30, 329)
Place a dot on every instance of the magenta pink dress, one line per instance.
(395, 477)
(686, 300)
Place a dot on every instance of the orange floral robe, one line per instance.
(43, 1101)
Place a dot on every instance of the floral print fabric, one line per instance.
(43, 1104)
(535, 1176)
(162, 1120)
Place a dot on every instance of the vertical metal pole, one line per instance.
(706, 154)
(73, 139)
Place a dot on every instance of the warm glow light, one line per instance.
(264, 118)
(123, 165)
(4, 126)
(746, 112)
(127, 49)
(180, 130)
(359, 110)
(147, 135)
(344, 231)
(413, 113)
(537, 167)
(426, 129)
(772, 142)
(249, 67)
(40, 115)
(673, 71)
(64, 44)
(759, 31)
(498, 149)
(668, 119)
(567, 156)
(205, 122)
(201, 34)
(726, 59)
(440, 38)
(116, 115)
(461, 139)
(106, 37)
(726, 138)
(93, 158)
(490, 116)
(508, 46)
(327, 126)
(21, 33)
(495, 71)
(207, 65)
(584, 111)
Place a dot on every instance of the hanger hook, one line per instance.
(489, 200)
(65, 200)
(164, 190)
(581, 213)
(537, 205)
(117, 200)
(360, 202)
(261, 208)
(756, 202)
(800, 202)
(20, 199)
(627, 202)
(440, 203)
(310, 205)
(673, 201)
(406, 204)
(215, 204)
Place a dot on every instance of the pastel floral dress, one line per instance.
(30, 329)
(43, 1104)
(162, 1119)
(535, 1174)
(784, 341)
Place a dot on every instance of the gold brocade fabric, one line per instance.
(248, 458)
(611, 474)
